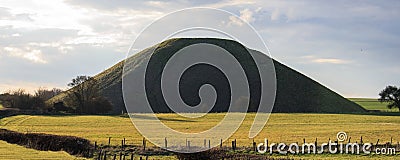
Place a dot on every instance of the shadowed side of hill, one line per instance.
(299, 93)
(295, 91)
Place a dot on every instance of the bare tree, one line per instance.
(46, 94)
(22, 100)
(83, 90)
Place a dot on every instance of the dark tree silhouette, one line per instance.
(22, 100)
(86, 97)
(391, 94)
(84, 88)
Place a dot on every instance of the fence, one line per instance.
(125, 151)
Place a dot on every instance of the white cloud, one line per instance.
(93, 40)
(245, 15)
(33, 55)
(330, 60)
(315, 59)
(275, 14)
(16, 35)
(228, 3)
(28, 86)
(234, 20)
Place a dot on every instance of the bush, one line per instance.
(47, 142)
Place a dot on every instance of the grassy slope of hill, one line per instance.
(295, 91)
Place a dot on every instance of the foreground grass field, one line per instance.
(280, 127)
(286, 128)
(12, 151)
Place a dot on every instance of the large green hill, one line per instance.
(295, 91)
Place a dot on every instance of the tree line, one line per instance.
(82, 97)
(23, 100)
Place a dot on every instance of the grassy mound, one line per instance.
(295, 91)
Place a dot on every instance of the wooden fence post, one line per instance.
(144, 143)
(109, 141)
(99, 155)
(391, 140)
(166, 142)
(105, 155)
(220, 145)
(316, 142)
(235, 145)
(254, 146)
(131, 156)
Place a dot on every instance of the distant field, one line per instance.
(12, 151)
(1, 106)
(373, 104)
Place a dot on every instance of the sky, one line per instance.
(352, 47)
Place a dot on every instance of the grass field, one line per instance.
(281, 127)
(286, 128)
(12, 151)
(1, 106)
(373, 104)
